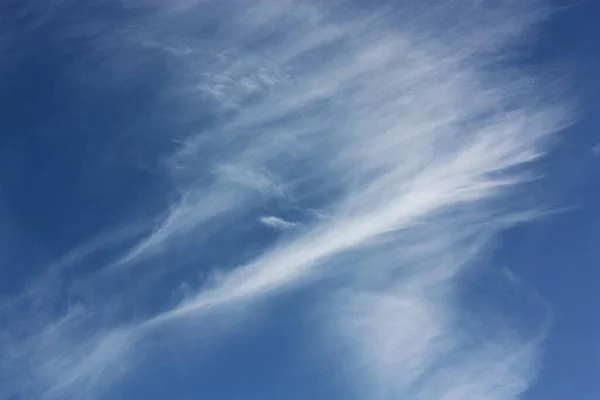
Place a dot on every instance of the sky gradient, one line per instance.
(299, 199)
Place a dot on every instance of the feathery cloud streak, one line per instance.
(394, 132)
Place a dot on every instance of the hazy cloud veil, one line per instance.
(369, 151)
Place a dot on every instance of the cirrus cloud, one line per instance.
(401, 133)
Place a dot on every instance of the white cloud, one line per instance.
(401, 131)
(276, 222)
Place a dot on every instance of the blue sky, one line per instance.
(299, 199)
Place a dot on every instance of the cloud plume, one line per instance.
(387, 144)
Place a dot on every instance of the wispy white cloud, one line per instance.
(402, 133)
(410, 336)
(278, 223)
